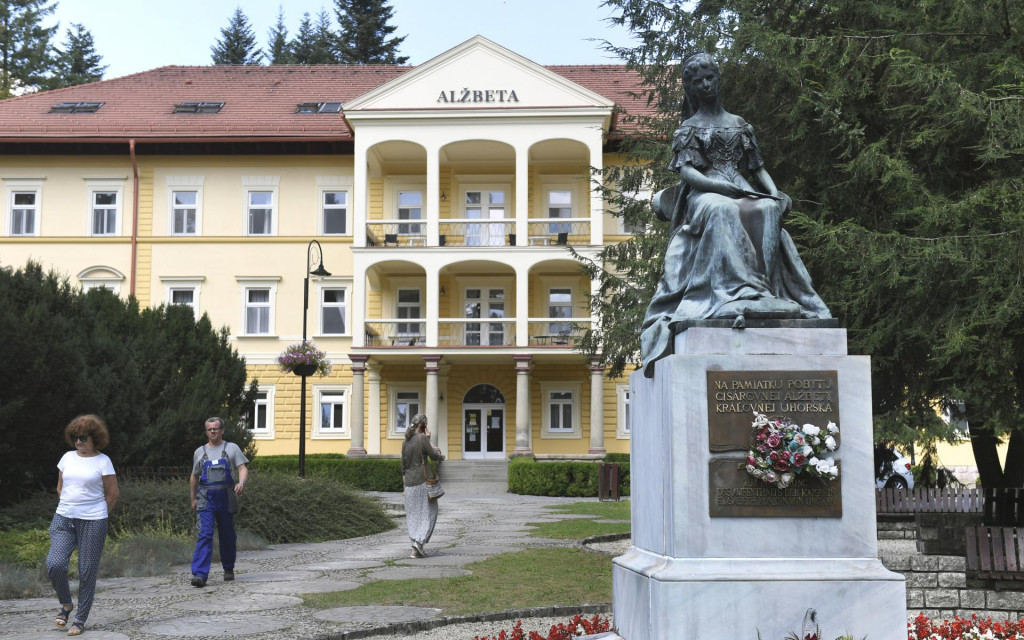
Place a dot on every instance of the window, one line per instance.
(624, 429)
(76, 107)
(263, 414)
(185, 297)
(335, 212)
(559, 306)
(559, 205)
(409, 308)
(104, 213)
(198, 107)
(332, 404)
(24, 213)
(491, 333)
(101, 277)
(333, 311)
(561, 410)
(183, 211)
(410, 207)
(259, 296)
(642, 198)
(260, 207)
(406, 403)
(318, 107)
(485, 205)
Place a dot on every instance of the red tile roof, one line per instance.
(259, 102)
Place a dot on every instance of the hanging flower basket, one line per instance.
(304, 359)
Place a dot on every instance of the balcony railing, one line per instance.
(556, 231)
(557, 332)
(396, 233)
(469, 232)
(476, 332)
(396, 333)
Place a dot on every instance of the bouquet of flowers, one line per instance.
(780, 451)
(304, 356)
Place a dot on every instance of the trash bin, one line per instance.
(608, 481)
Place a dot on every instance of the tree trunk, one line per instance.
(1013, 473)
(984, 442)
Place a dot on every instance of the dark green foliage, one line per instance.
(617, 457)
(365, 33)
(76, 62)
(368, 474)
(314, 44)
(528, 477)
(898, 130)
(278, 49)
(237, 42)
(154, 377)
(25, 50)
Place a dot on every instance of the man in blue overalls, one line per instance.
(215, 465)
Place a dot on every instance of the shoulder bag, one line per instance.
(434, 488)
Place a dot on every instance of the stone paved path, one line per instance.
(264, 603)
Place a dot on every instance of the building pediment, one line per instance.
(478, 74)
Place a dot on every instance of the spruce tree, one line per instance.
(237, 43)
(898, 129)
(365, 33)
(25, 49)
(278, 49)
(76, 62)
(313, 43)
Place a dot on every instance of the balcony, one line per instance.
(477, 233)
(471, 232)
(471, 332)
(557, 332)
(563, 333)
(558, 231)
(395, 333)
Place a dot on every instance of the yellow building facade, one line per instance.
(444, 200)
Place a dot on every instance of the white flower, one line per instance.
(811, 430)
(786, 480)
(830, 443)
(816, 441)
(832, 428)
(771, 477)
(760, 419)
(806, 450)
(751, 468)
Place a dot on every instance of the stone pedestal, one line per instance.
(691, 575)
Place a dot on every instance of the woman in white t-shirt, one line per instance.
(88, 490)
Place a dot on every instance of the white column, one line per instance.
(431, 366)
(596, 407)
(432, 293)
(358, 424)
(358, 301)
(360, 199)
(522, 195)
(442, 409)
(522, 306)
(373, 409)
(522, 406)
(433, 206)
(596, 201)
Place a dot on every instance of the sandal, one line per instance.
(77, 628)
(63, 615)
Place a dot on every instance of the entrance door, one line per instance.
(483, 423)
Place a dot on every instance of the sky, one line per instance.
(136, 35)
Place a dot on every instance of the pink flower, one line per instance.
(782, 465)
(750, 460)
(773, 456)
(774, 441)
(799, 459)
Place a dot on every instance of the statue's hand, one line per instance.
(730, 190)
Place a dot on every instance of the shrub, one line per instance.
(617, 457)
(367, 474)
(526, 476)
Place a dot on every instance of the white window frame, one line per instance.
(489, 237)
(252, 184)
(623, 429)
(403, 184)
(101, 277)
(323, 208)
(546, 389)
(485, 300)
(572, 310)
(344, 284)
(179, 283)
(185, 183)
(421, 320)
(247, 284)
(267, 433)
(322, 392)
(96, 186)
(12, 187)
(394, 432)
(645, 194)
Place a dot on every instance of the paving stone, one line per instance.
(442, 558)
(265, 553)
(31, 604)
(338, 565)
(227, 625)
(239, 602)
(49, 635)
(481, 550)
(407, 573)
(376, 615)
(299, 588)
(276, 576)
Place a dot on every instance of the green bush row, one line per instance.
(368, 474)
(526, 476)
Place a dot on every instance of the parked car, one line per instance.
(892, 469)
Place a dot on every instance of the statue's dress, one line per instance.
(726, 257)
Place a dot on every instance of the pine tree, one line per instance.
(279, 52)
(313, 43)
(25, 49)
(365, 33)
(77, 61)
(237, 44)
(898, 129)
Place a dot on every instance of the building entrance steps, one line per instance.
(475, 477)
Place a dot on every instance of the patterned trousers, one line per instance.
(420, 514)
(65, 535)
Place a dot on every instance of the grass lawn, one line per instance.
(509, 581)
(513, 580)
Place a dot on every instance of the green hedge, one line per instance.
(368, 474)
(526, 476)
(617, 458)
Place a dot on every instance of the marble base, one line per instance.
(692, 576)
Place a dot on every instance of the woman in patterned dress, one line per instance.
(420, 511)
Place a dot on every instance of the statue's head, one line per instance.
(691, 67)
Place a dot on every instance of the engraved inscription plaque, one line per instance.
(733, 397)
(735, 493)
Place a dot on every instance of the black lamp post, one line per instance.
(319, 272)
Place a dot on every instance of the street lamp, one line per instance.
(319, 272)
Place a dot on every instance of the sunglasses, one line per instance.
(80, 438)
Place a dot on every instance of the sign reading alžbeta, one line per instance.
(476, 96)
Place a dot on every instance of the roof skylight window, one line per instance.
(319, 107)
(76, 107)
(198, 107)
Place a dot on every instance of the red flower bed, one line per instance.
(973, 628)
(577, 626)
